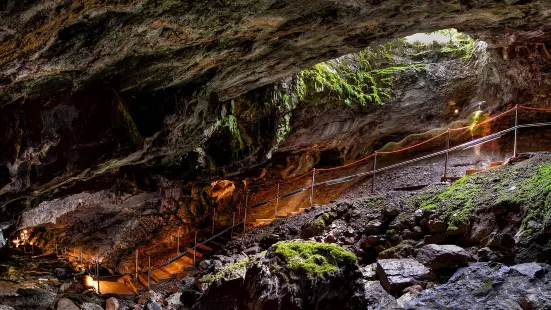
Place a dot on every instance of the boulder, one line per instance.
(437, 226)
(490, 286)
(71, 287)
(375, 297)
(4, 307)
(410, 293)
(112, 304)
(289, 275)
(30, 298)
(66, 304)
(437, 256)
(369, 272)
(90, 306)
(152, 305)
(61, 273)
(500, 241)
(397, 274)
(174, 300)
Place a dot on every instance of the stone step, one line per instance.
(218, 244)
(224, 239)
(203, 247)
(159, 275)
(197, 253)
(473, 171)
(262, 221)
(174, 268)
(143, 280)
(495, 164)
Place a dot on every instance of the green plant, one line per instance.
(312, 258)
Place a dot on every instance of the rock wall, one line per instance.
(119, 99)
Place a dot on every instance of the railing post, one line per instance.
(89, 259)
(312, 187)
(447, 156)
(516, 132)
(178, 246)
(195, 249)
(56, 248)
(81, 258)
(149, 272)
(232, 225)
(213, 219)
(277, 201)
(97, 270)
(374, 170)
(136, 275)
(245, 216)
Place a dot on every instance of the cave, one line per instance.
(385, 154)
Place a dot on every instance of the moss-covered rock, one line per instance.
(312, 259)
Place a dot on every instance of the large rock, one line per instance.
(66, 304)
(71, 287)
(376, 297)
(437, 256)
(290, 275)
(34, 298)
(397, 274)
(112, 304)
(491, 286)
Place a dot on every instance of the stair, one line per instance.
(204, 247)
(473, 171)
(495, 164)
(197, 253)
(262, 221)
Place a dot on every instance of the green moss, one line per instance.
(227, 272)
(388, 252)
(487, 284)
(313, 259)
(528, 186)
(239, 139)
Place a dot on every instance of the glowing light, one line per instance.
(89, 281)
(456, 111)
(25, 231)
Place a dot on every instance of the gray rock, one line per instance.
(112, 304)
(397, 274)
(152, 305)
(377, 298)
(34, 298)
(438, 239)
(410, 293)
(61, 273)
(174, 300)
(374, 227)
(491, 286)
(500, 241)
(369, 272)
(71, 287)
(437, 226)
(3, 307)
(90, 306)
(437, 256)
(66, 304)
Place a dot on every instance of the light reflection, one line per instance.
(89, 281)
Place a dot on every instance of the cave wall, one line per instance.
(111, 100)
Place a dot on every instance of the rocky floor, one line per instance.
(479, 243)
(415, 250)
